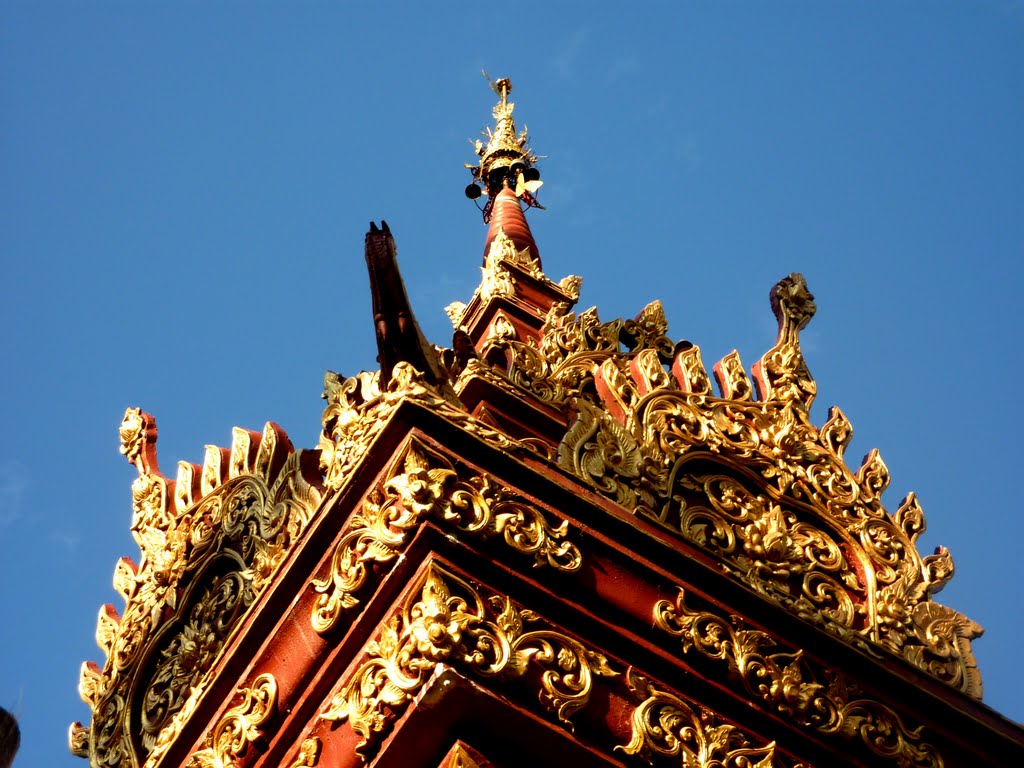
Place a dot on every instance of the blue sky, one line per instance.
(185, 193)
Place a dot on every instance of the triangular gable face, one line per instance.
(761, 488)
(560, 541)
(210, 541)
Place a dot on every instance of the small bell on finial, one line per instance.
(506, 159)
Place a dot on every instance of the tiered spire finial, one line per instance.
(506, 159)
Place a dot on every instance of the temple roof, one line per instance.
(737, 472)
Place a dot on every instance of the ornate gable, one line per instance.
(211, 541)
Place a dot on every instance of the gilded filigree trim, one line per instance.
(503, 249)
(562, 367)
(169, 733)
(663, 725)
(78, 740)
(789, 561)
(425, 485)
(447, 623)
(239, 727)
(802, 511)
(358, 411)
(210, 542)
(809, 694)
(192, 650)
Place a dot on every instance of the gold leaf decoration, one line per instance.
(132, 434)
(570, 285)
(446, 623)
(78, 740)
(497, 279)
(573, 347)
(181, 664)
(455, 311)
(358, 411)
(423, 486)
(239, 727)
(309, 753)
(798, 565)
(664, 725)
(810, 695)
(785, 514)
(732, 378)
(202, 567)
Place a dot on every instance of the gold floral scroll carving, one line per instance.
(562, 367)
(786, 513)
(239, 727)
(210, 543)
(424, 485)
(810, 695)
(664, 725)
(447, 623)
(358, 411)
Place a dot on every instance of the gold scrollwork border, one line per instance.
(309, 753)
(239, 727)
(663, 725)
(811, 695)
(426, 485)
(447, 623)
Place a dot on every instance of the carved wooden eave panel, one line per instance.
(611, 584)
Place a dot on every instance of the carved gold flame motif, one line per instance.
(357, 412)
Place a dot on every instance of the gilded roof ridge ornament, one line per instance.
(505, 159)
(646, 414)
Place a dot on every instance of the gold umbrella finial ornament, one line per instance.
(505, 159)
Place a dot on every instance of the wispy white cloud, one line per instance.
(687, 150)
(69, 541)
(565, 61)
(623, 67)
(13, 482)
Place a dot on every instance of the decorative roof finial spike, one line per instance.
(506, 159)
(782, 373)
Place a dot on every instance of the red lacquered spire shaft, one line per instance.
(507, 216)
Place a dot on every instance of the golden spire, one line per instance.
(505, 160)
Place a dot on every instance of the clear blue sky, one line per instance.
(185, 191)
